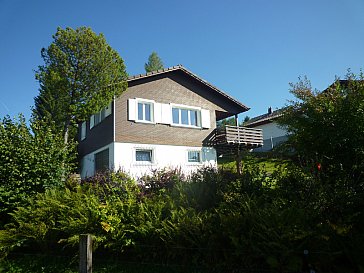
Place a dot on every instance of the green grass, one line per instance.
(262, 161)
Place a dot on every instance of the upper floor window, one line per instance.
(100, 116)
(83, 130)
(145, 111)
(186, 117)
(149, 111)
(141, 110)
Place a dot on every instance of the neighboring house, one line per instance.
(165, 119)
(273, 134)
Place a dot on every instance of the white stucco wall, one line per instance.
(88, 161)
(273, 134)
(271, 130)
(122, 156)
(164, 156)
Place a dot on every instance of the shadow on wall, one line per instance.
(270, 143)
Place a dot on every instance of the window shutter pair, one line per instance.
(163, 113)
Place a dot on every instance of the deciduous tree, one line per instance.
(327, 128)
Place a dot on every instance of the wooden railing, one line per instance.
(239, 135)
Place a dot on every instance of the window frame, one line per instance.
(83, 130)
(199, 157)
(99, 153)
(181, 107)
(98, 117)
(152, 107)
(144, 149)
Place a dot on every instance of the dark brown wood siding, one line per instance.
(97, 137)
(167, 88)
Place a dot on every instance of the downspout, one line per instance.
(113, 132)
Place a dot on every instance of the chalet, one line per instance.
(165, 119)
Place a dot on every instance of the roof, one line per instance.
(189, 73)
(265, 118)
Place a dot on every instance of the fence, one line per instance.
(104, 262)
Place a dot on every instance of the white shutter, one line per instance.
(166, 114)
(92, 122)
(132, 109)
(108, 110)
(205, 118)
(157, 112)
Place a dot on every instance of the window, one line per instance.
(144, 155)
(102, 160)
(186, 117)
(145, 111)
(100, 116)
(83, 130)
(194, 156)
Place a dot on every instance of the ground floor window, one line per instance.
(102, 160)
(144, 155)
(194, 156)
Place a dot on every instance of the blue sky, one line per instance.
(249, 49)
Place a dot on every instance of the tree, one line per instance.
(154, 63)
(81, 74)
(32, 159)
(231, 122)
(327, 128)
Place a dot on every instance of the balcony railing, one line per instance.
(242, 136)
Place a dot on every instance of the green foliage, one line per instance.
(328, 127)
(214, 219)
(231, 122)
(154, 63)
(81, 74)
(32, 160)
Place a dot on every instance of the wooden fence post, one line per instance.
(85, 253)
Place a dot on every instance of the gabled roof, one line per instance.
(265, 118)
(189, 73)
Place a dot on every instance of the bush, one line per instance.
(251, 222)
(32, 160)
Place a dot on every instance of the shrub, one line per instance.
(32, 160)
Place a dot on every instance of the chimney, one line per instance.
(269, 110)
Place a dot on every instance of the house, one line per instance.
(165, 119)
(273, 133)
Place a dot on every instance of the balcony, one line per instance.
(235, 136)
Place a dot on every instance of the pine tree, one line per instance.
(154, 63)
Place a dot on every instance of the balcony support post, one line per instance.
(238, 155)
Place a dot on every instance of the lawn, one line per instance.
(265, 162)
